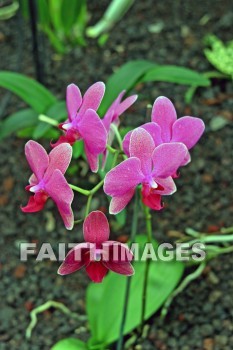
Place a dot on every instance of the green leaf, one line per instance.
(125, 78)
(55, 41)
(78, 149)
(70, 344)
(55, 14)
(217, 123)
(43, 11)
(18, 121)
(121, 219)
(28, 133)
(220, 55)
(29, 90)
(70, 12)
(105, 301)
(114, 12)
(176, 74)
(57, 112)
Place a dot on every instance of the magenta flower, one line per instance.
(112, 115)
(48, 179)
(98, 254)
(84, 123)
(148, 165)
(165, 127)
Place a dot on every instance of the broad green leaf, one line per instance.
(78, 149)
(18, 121)
(121, 219)
(51, 134)
(57, 112)
(125, 78)
(70, 344)
(29, 90)
(176, 74)
(105, 301)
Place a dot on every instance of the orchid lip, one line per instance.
(151, 182)
(38, 187)
(97, 255)
(67, 126)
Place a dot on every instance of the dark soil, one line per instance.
(201, 317)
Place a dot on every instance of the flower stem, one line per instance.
(80, 190)
(118, 136)
(111, 149)
(45, 307)
(96, 188)
(128, 282)
(192, 276)
(47, 120)
(145, 284)
(88, 204)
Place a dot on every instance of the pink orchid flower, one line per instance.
(98, 254)
(148, 165)
(165, 127)
(117, 108)
(48, 179)
(84, 123)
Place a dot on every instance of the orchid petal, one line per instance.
(35, 203)
(152, 128)
(142, 146)
(59, 158)
(96, 271)
(187, 130)
(123, 268)
(33, 180)
(164, 114)
(126, 142)
(107, 120)
(76, 258)
(118, 203)
(167, 158)
(73, 100)
(61, 193)
(92, 159)
(92, 97)
(117, 252)
(96, 228)
(124, 105)
(37, 158)
(123, 178)
(186, 160)
(152, 201)
(93, 132)
(155, 131)
(165, 186)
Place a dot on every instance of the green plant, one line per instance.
(43, 102)
(9, 10)
(220, 55)
(62, 21)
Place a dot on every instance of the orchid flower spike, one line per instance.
(84, 123)
(98, 254)
(165, 127)
(48, 179)
(148, 165)
(117, 108)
